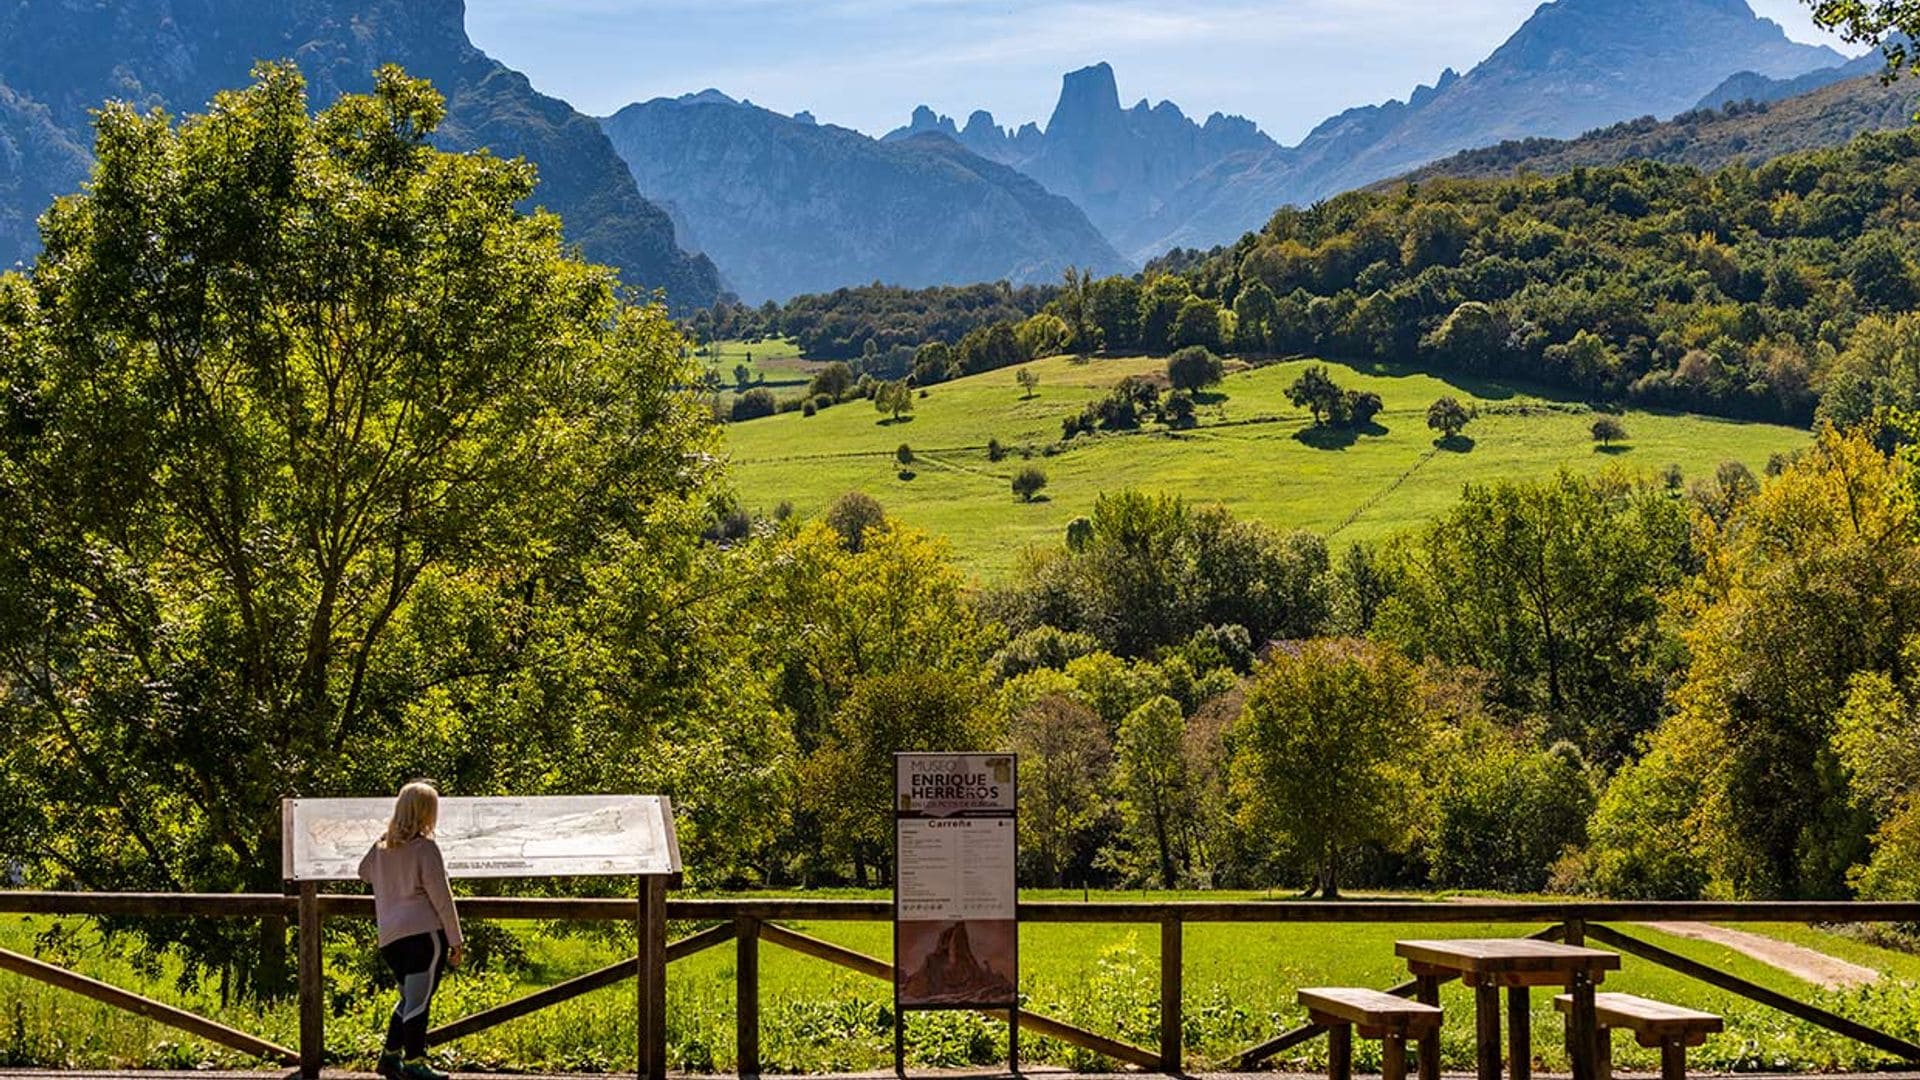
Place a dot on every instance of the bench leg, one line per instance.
(1486, 1034)
(1673, 1060)
(1340, 1052)
(1603, 1052)
(1520, 1032)
(1580, 1027)
(1427, 992)
(1393, 1058)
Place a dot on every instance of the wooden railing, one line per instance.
(750, 922)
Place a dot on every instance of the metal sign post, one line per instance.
(956, 927)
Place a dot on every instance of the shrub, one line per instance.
(1079, 533)
(809, 409)
(1028, 482)
(1179, 410)
(852, 515)
(904, 455)
(1194, 368)
(1361, 406)
(754, 404)
(1607, 431)
(1507, 813)
(995, 451)
(1448, 417)
(831, 382)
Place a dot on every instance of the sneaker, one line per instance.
(418, 1069)
(388, 1066)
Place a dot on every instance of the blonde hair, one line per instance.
(414, 814)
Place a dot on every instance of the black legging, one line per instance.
(417, 962)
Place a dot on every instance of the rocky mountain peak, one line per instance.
(1089, 98)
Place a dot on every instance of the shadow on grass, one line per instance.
(1208, 397)
(1455, 444)
(1329, 437)
(907, 474)
(891, 421)
(1036, 499)
(1612, 448)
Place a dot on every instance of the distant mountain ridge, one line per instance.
(1574, 65)
(790, 206)
(1749, 131)
(1753, 86)
(60, 58)
(1120, 165)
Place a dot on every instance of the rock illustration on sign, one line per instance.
(949, 972)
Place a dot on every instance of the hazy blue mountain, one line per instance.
(1746, 131)
(38, 161)
(63, 57)
(1153, 180)
(789, 206)
(1573, 66)
(1753, 86)
(1118, 164)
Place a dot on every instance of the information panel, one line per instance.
(956, 941)
(534, 836)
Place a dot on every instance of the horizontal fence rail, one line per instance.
(749, 922)
(620, 909)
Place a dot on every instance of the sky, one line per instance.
(864, 64)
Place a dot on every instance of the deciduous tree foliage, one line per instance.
(310, 437)
(1328, 753)
(1154, 570)
(1157, 794)
(848, 779)
(1814, 581)
(1554, 588)
(1065, 757)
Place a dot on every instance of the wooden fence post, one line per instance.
(313, 1036)
(652, 924)
(1172, 1023)
(746, 991)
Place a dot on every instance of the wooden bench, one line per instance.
(1390, 1019)
(1653, 1023)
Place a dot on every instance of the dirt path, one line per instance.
(1828, 972)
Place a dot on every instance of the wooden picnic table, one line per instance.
(1518, 964)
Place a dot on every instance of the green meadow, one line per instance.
(1251, 451)
(1239, 983)
(774, 362)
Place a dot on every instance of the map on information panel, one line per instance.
(536, 836)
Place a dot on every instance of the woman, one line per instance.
(419, 928)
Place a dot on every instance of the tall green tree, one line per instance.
(308, 431)
(848, 779)
(1328, 754)
(1065, 758)
(1554, 588)
(1815, 582)
(1156, 793)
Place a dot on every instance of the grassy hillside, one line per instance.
(774, 362)
(1247, 453)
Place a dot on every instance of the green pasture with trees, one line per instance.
(327, 466)
(1246, 446)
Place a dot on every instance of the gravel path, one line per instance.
(1827, 972)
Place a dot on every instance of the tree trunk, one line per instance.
(1166, 851)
